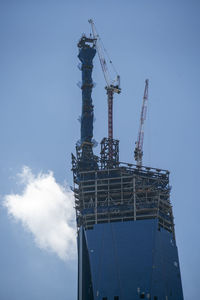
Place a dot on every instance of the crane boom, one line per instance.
(138, 153)
(112, 86)
(100, 53)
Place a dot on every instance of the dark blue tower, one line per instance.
(86, 54)
(126, 240)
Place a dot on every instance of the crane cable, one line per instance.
(108, 56)
(99, 40)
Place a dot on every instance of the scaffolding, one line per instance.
(126, 192)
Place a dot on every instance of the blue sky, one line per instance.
(40, 105)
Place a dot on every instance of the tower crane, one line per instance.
(112, 86)
(138, 153)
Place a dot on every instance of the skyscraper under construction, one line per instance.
(126, 241)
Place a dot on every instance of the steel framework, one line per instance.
(123, 193)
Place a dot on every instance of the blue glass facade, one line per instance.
(131, 260)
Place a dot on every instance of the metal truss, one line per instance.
(123, 193)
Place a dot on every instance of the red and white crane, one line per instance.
(112, 86)
(138, 153)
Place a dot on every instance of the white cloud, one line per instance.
(45, 208)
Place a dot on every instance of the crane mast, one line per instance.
(112, 86)
(138, 153)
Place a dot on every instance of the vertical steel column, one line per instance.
(110, 121)
(110, 113)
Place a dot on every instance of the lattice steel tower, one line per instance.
(126, 242)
